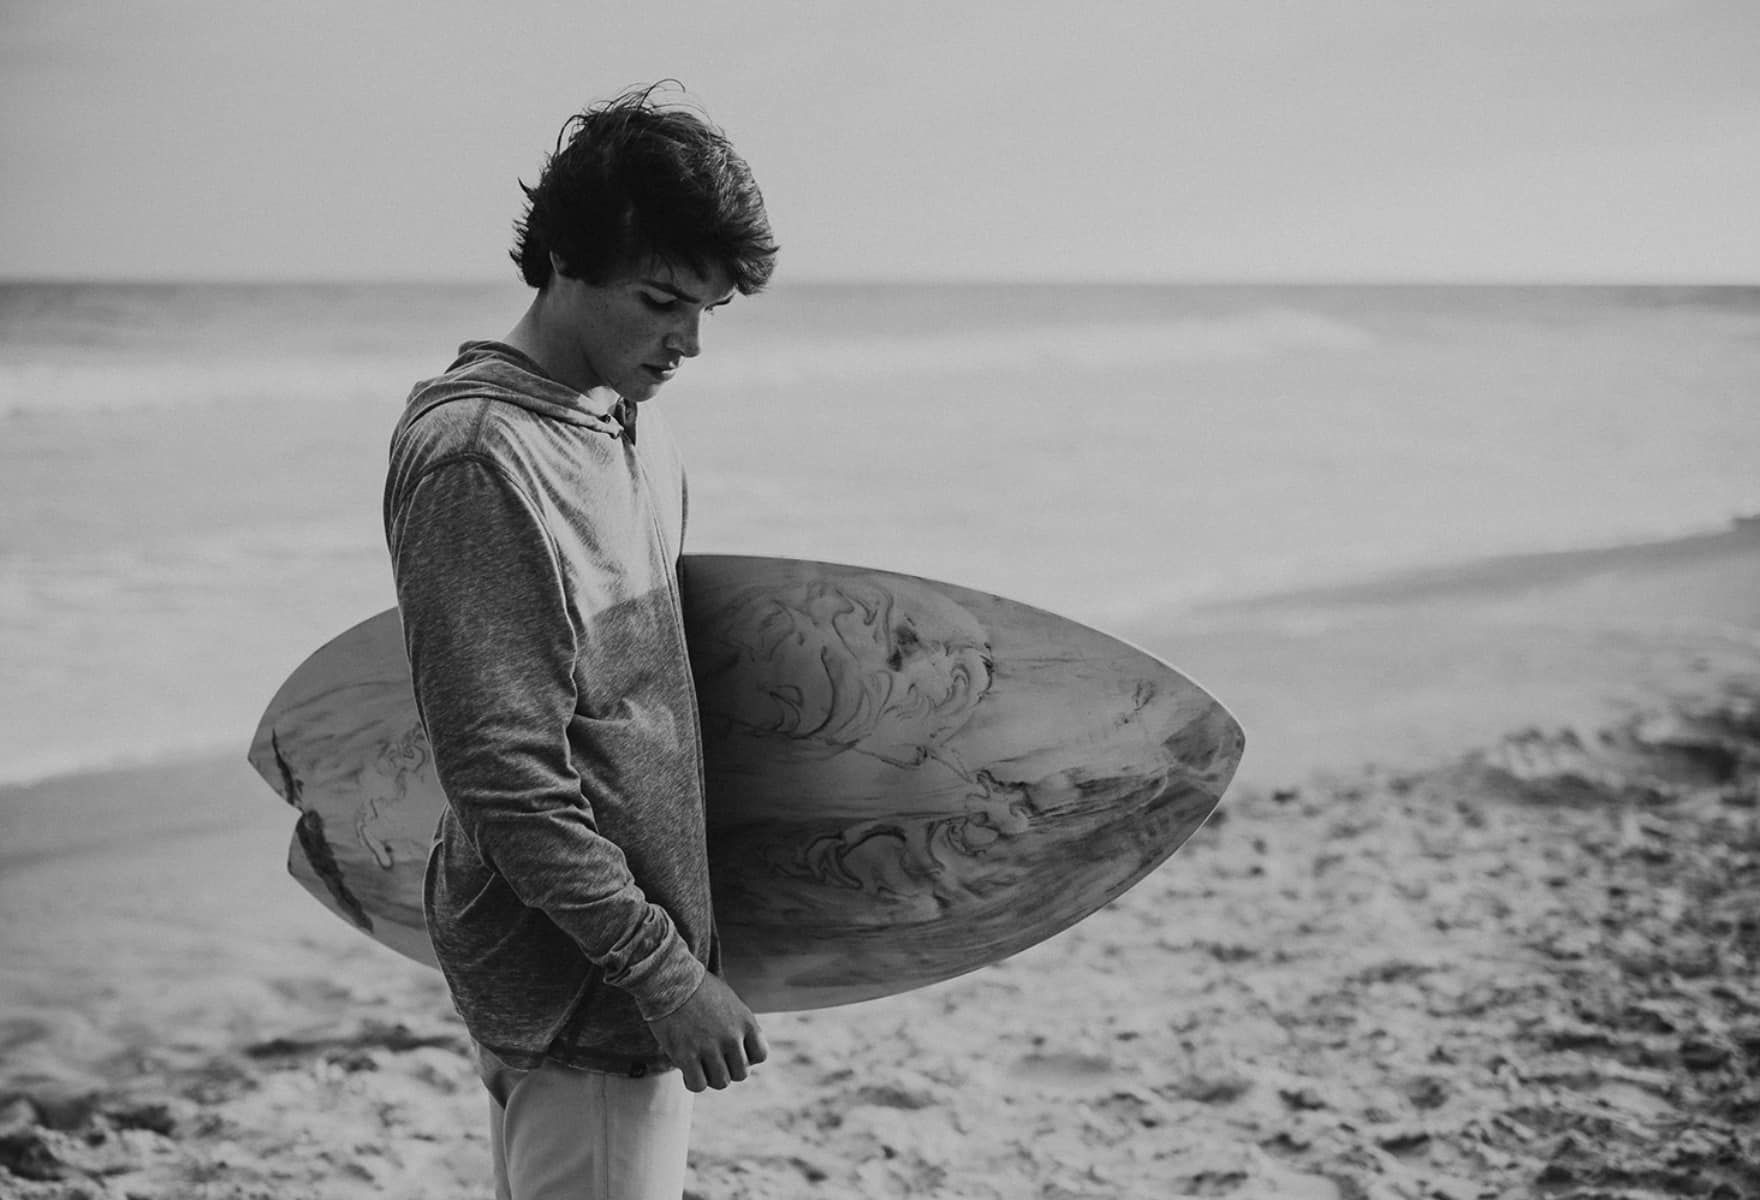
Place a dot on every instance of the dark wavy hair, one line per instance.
(634, 179)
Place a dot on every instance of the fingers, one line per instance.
(715, 1070)
(748, 1052)
(734, 1060)
(727, 1065)
(713, 1039)
(704, 1073)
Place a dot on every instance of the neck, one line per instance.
(544, 339)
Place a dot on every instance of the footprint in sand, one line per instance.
(1063, 1070)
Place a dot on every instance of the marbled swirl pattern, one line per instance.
(906, 779)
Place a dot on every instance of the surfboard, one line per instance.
(905, 780)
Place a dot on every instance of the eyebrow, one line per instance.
(664, 286)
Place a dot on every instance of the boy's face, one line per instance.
(631, 333)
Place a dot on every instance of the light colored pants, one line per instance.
(559, 1133)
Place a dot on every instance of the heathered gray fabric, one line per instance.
(535, 547)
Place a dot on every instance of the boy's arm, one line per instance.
(492, 657)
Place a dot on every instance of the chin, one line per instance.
(640, 389)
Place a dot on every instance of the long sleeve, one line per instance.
(494, 655)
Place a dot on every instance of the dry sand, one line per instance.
(1481, 917)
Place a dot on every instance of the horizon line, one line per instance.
(879, 281)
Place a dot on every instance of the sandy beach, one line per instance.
(1479, 918)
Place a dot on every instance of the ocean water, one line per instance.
(189, 475)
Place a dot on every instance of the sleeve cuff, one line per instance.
(673, 980)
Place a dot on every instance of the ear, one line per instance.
(559, 267)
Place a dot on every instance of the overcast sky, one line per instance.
(1002, 139)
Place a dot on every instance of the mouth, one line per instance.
(662, 373)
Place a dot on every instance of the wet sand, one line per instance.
(1480, 917)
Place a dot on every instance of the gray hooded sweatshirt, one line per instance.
(535, 541)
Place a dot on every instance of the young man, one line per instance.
(535, 525)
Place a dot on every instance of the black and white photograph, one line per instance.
(879, 599)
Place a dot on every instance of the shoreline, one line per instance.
(1491, 575)
(1409, 669)
(1487, 578)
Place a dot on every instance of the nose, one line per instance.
(687, 340)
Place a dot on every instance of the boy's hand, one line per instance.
(713, 1037)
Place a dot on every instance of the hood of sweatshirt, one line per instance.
(496, 371)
